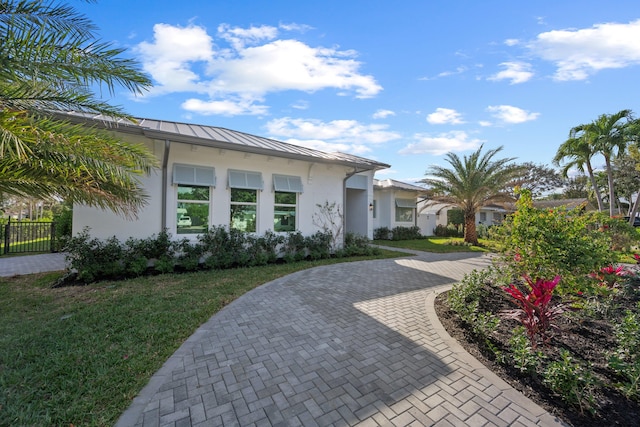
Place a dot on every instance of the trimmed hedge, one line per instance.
(92, 259)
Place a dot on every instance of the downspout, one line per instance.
(165, 179)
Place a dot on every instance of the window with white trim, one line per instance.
(192, 213)
(404, 210)
(244, 188)
(285, 207)
(193, 185)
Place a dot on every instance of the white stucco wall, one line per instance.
(104, 223)
(386, 208)
(321, 183)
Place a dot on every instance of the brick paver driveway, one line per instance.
(346, 344)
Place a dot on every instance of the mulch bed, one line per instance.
(587, 339)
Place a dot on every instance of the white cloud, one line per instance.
(484, 123)
(511, 42)
(170, 57)
(444, 116)
(511, 114)
(516, 72)
(300, 105)
(338, 135)
(224, 107)
(441, 143)
(300, 28)
(577, 54)
(256, 63)
(383, 114)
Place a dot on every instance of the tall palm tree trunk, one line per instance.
(612, 196)
(592, 178)
(470, 232)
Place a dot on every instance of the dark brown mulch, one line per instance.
(587, 340)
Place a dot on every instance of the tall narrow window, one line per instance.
(284, 217)
(244, 209)
(286, 189)
(244, 188)
(192, 213)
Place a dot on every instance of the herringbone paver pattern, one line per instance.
(347, 344)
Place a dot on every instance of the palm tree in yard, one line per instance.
(577, 152)
(50, 62)
(471, 183)
(607, 136)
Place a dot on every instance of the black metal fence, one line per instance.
(28, 236)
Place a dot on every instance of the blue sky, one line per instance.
(402, 82)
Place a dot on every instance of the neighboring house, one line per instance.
(394, 203)
(431, 215)
(211, 176)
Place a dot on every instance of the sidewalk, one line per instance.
(29, 264)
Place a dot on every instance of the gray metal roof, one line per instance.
(213, 136)
(392, 183)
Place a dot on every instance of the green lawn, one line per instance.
(78, 355)
(436, 244)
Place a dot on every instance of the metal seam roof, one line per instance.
(210, 135)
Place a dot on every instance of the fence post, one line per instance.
(7, 230)
(52, 241)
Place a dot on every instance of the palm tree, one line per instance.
(50, 61)
(607, 137)
(471, 183)
(579, 152)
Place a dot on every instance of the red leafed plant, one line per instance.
(535, 311)
(608, 276)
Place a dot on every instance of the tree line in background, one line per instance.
(482, 179)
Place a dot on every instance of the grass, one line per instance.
(42, 245)
(437, 244)
(78, 355)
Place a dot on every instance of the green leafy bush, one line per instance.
(571, 381)
(382, 233)
(218, 248)
(447, 231)
(464, 299)
(550, 242)
(406, 233)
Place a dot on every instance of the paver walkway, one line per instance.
(29, 264)
(346, 344)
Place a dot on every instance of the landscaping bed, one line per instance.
(589, 338)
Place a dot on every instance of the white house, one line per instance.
(431, 215)
(394, 203)
(214, 176)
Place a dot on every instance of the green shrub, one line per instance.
(357, 245)
(294, 247)
(550, 242)
(571, 381)
(447, 231)
(382, 233)
(406, 233)
(464, 299)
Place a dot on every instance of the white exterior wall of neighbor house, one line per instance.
(386, 208)
(321, 183)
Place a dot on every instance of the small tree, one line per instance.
(330, 219)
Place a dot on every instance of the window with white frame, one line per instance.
(405, 209)
(375, 208)
(483, 217)
(285, 207)
(193, 185)
(244, 187)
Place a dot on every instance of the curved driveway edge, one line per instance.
(345, 344)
